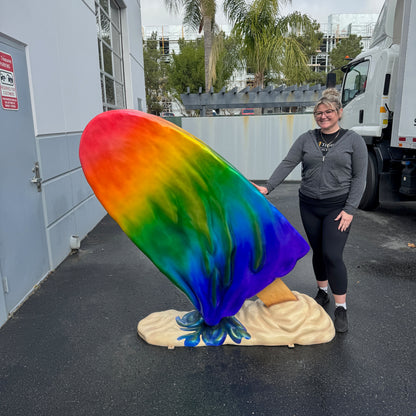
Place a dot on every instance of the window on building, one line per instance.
(108, 17)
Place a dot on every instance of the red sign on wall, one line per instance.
(8, 90)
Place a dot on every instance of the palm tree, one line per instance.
(269, 40)
(200, 15)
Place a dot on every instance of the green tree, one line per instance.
(226, 51)
(187, 67)
(311, 41)
(315, 77)
(346, 49)
(199, 14)
(154, 75)
(270, 42)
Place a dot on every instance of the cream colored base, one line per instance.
(301, 322)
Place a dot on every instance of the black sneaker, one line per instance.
(322, 298)
(341, 321)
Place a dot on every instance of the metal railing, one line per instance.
(269, 97)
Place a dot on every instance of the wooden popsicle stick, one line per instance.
(276, 292)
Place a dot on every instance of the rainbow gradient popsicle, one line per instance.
(195, 216)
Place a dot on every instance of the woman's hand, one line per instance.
(262, 189)
(344, 220)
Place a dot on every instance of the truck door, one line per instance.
(23, 247)
(354, 86)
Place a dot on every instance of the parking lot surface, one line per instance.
(72, 348)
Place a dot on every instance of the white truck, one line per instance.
(379, 100)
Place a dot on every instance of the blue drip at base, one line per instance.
(193, 322)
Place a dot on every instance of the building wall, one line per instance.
(133, 55)
(343, 25)
(60, 41)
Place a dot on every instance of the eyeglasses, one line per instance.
(328, 113)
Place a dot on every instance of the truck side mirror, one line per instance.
(331, 80)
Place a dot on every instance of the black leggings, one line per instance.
(326, 240)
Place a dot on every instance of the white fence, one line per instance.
(253, 144)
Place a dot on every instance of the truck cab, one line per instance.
(379, 101)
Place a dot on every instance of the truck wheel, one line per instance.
(370, 200)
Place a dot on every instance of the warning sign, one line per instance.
(7, 83)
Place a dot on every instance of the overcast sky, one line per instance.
(154, 12)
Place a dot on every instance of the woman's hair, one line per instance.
(331, 98)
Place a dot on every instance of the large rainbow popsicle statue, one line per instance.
(196, 217)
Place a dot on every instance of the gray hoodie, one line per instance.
(342, 171)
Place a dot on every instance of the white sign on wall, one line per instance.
(7, 83)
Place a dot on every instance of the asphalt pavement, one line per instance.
(72, 348)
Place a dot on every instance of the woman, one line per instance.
(334, 169)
